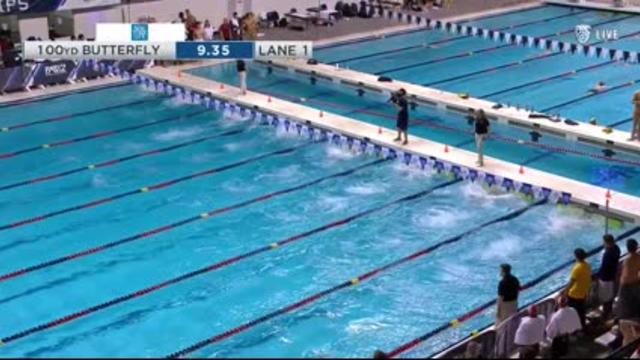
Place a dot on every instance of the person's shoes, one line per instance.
(480, 163)
(396, 139)
(405, 142)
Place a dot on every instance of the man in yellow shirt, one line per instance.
(579, 285)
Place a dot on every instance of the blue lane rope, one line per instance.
(99, 135)
(116, 161)
(207, 215)
(444, 41)
(353, 282)
(419, 340)
(146, 189)
(593, 94)
(78, 114)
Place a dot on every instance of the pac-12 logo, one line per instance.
(583, 33)
(139, 32)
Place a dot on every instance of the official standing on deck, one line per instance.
(482, 131)
(242, 75)
(400, 100)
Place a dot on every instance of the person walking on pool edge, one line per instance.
(402, 124)
(482, 125)
(242, 75)
(635, 130)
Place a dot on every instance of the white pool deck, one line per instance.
(583, 132)
(598, 5)
(622, 205)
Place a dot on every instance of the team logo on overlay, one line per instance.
(139, 32)
(583, 33)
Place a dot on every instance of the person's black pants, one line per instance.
(581, 307)
(560, 346)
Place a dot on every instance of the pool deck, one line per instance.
(597, 5)
(583, 132)
(622, 205)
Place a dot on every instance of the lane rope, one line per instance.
(445, 326)
(222, 264)
(203, 216)
(78, 114)
(434, 125)
(150, 188)
(446, 40)
(100, 135)
(353, 282)
(484, 50)
(593, 94)
(112, 162)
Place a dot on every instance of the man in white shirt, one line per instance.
(530, 334)
(564, 322)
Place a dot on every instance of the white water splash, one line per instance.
(177, 133)
(99, 181)
(332, 204)
(440, 218)
(364, 325)
(337, 153)
(365, 189)
(286, 173)
(505, 247)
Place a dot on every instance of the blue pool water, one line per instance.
(580, 162)
(113, 206)
(381, 313)
(434, 63)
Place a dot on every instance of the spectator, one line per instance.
(198, 31)
(473, 351)
(81, 37)
(508, 291)
(607, 274)
(564, 322)
(181, 17)
(249, 27)
(208, 31)
(225, 30)
(189, 18)
(530, 334)
(579, 285)
(628, 306)
(235, 27)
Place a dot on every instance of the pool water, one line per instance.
(137, 225)
(585, 163)
(512, 74)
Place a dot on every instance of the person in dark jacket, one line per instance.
(607, 274)
(482, 125)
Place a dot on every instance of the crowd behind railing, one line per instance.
(553, 325)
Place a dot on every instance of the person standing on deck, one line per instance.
(402, 124)
(628, 306)
(635, 130)
(607, 274)
(508, 291)
(579, 285)
(241, 66)
(482, 125)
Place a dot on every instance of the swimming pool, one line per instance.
(165, 224)
(138, 225)
(555, 155)
(552, 82)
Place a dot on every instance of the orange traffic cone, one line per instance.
(379, 130)
(446, 148)
(221, 86)
(521, 170)
(321, 114)
(269, 99)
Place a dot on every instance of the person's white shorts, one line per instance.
(606, 291)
